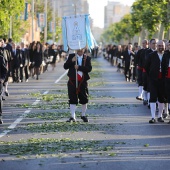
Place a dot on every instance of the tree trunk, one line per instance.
(168, 19)
(161, 32)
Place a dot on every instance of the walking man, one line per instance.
(156, 82)
(78, 65)
(3, 74)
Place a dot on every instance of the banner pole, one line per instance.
(76, 52)
(76, 71)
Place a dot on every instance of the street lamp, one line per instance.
(32, 20)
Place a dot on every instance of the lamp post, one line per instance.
(45, 28)
(32, 20)
(10, 31)
(54, 20)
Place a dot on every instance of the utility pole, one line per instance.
(10, 25)
(54, 20)
(45, 28)
(32, 20)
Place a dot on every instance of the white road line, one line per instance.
(60, 77)
(46, 92)
(18, 120)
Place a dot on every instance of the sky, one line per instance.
(96, 10)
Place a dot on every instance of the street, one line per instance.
(35, 134)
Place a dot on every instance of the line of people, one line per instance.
(22, 61)
(149, 67)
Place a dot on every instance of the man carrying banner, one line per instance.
(81, 64)
(77, 36)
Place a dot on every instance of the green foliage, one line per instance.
(7, 9)
(39, 8)
(146, 14)
(120, 30)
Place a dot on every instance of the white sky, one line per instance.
(96, 10)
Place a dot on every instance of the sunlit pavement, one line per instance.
(118, 135)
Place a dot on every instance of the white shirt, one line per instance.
(160, 57)
(79, 58)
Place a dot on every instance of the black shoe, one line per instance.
(169, 122)
(6, 93)
(149, 106)
(139, 98)
(152, 120)
(84, 118)
(1, 122)
(3, 98)
(145, 102)
(160, 119)
(165, 115)
(71, 120)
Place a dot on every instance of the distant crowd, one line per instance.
(149, 66)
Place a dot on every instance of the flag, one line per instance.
(41, 20)
(77, 33)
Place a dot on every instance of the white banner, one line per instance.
(41, 20)
(76, 32)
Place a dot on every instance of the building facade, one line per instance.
(113, 12)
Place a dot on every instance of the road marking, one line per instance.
(18, 120)
(60, 77)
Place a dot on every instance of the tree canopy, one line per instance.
(149, 15)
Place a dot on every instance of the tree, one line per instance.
(7, 9)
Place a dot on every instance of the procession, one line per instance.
(74, 97)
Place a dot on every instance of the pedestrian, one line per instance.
(78, 65)
(156, 82)
(3, 74)
(16, 63)
(166, 75)
(128, 57)
(53, 55)
(7, 57)
(119, 57)
(37, 59)
(26, 60)
(146, 87)
(139, 61)
(31, 50)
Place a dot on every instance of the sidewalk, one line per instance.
(118, 135)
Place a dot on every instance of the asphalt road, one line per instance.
(35, 134)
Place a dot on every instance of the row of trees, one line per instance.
(10, 17)
(148, 18)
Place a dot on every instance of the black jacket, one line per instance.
(127, 58)
(85, 67)
(165, 63)
(3, 68)
(152, 65)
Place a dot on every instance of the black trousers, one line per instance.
(21, 69)
(157, 89)
(15, 74)
(82, 96)
(26, 72)
(145, 81)
(167, 89)
(134, 73)
(140, 79)
(1, 89)
(128, 72)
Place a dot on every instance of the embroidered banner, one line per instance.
(76, 34)
(41, 20)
